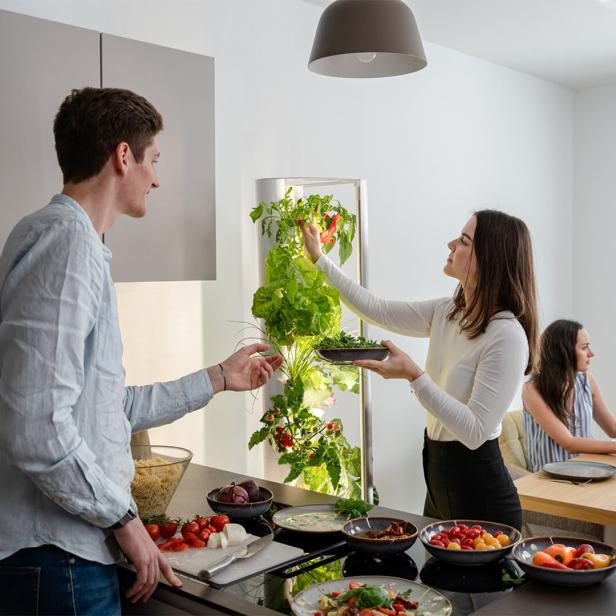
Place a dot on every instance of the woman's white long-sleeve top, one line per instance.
(468, 385)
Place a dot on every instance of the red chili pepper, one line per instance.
(326, 235)
(579, 564)
(554, 565)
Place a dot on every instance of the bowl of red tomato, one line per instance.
(565, 561)
(469, 542)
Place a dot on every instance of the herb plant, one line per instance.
(299, 308)
(368, 596)
(352, 507)
(346, 341)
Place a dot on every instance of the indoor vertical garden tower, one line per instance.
(313, 413)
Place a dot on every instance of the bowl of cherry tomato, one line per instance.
(469, 542)
(565, 561)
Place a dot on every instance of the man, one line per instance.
(65, 415)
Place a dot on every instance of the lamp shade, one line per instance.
(367, 38)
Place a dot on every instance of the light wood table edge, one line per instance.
(567, 510)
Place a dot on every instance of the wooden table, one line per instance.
(593, 502)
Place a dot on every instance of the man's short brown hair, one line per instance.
(91, 122)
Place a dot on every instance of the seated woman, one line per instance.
(562, 398)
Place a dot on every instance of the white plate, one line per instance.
(310, 519)
(306, 603)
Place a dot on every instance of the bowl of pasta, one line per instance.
(158, 472)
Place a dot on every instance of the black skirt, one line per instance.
(469, 484)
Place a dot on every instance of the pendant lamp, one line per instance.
(367, 38)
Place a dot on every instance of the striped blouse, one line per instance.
(540, 447)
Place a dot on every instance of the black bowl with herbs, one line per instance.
(345, 349)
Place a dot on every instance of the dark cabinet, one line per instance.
(40, 62)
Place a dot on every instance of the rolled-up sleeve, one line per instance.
(49, 303)
(154, 405)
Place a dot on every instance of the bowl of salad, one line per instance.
(370, 595)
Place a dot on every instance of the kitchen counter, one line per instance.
(194, 597)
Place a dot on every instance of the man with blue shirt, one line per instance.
(66, 417)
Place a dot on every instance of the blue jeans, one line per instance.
(48, 580)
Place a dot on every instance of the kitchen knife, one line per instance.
(244, 552)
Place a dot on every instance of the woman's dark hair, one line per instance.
(505, 278)
(91, 122)
(555, 376)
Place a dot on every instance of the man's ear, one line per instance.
(120, 158)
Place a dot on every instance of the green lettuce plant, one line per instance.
(299, 309)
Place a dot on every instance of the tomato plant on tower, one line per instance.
(299, 308)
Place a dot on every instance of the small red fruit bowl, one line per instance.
(524, 554)
(477, 542)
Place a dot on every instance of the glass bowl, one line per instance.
(158, 472)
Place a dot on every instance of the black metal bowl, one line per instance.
(241, 511)
(348, 356)
(524, 552)
(468, 557)
(355, 534)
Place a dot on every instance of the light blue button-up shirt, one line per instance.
(65, 415)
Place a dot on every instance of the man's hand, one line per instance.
(147, 559)
(243, 372)
(397, 366)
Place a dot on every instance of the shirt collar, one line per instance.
(83, 215)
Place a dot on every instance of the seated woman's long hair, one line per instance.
(555, 375)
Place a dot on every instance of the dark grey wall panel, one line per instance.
(40, 62)
(177, 238)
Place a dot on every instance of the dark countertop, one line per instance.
(529, 600)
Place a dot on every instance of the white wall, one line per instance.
(460, 135)
(592, 243)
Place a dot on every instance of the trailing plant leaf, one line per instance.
(334, 467)
(258, 437)
(317, 387)
(345, 377)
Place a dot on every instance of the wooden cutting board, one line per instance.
(193, 560)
